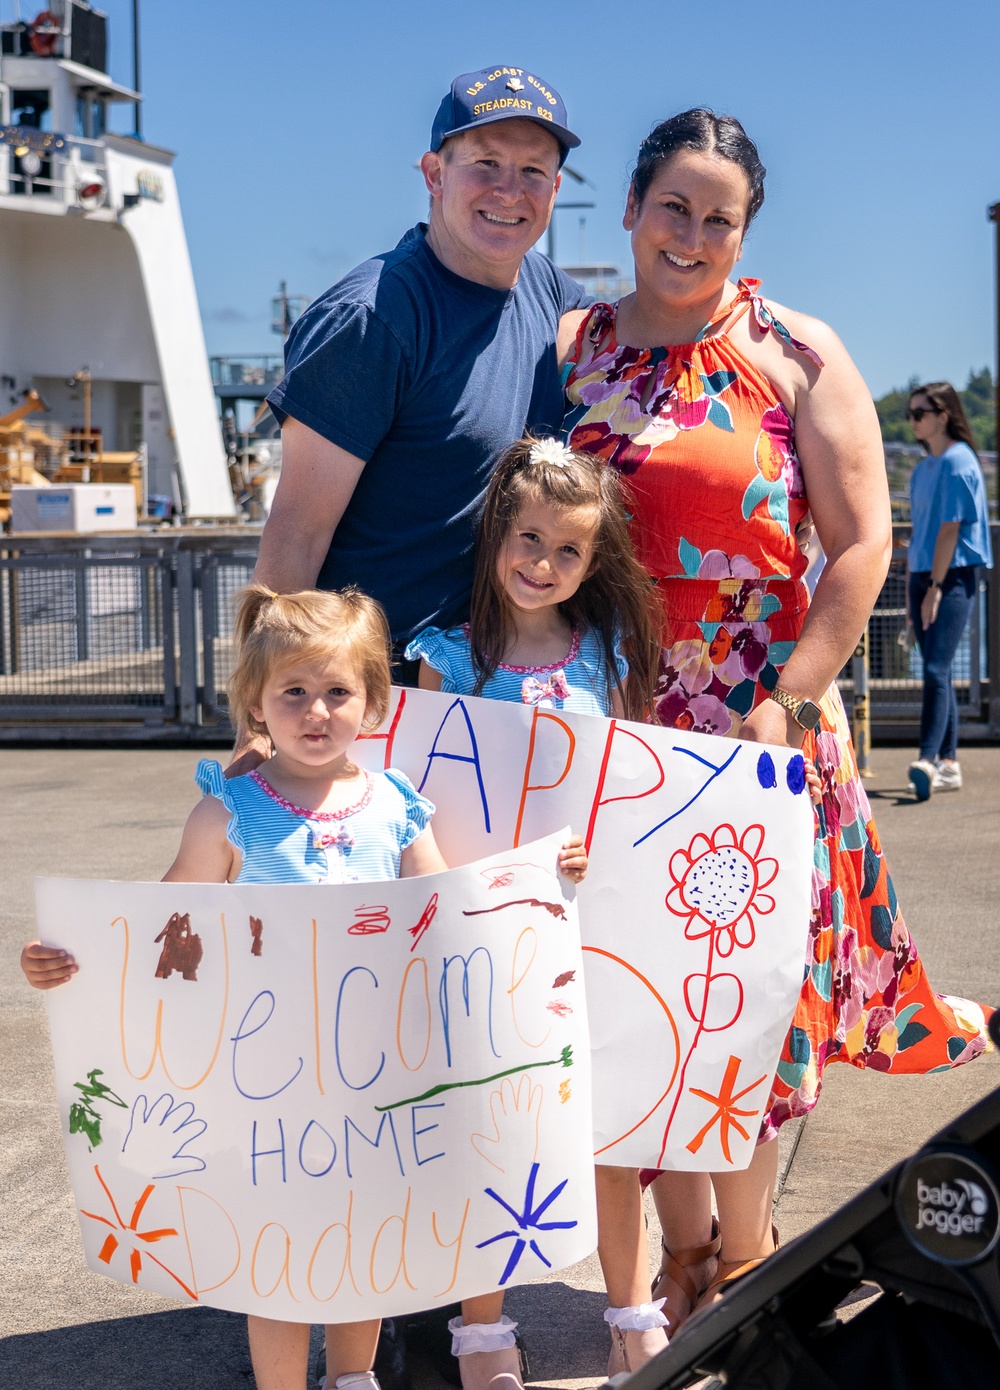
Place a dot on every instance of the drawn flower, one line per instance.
(528, 1219)
(127, 1234)
(717, 886)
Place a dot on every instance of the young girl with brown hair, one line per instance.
(562, 613)
(562, 617)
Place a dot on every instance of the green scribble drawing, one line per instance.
(565, 1059)
(83, 1118)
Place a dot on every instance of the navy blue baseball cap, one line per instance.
(497, 94)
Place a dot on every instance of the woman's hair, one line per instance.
(615, 599)
(704, 131)
(943, 396)
(273, 630)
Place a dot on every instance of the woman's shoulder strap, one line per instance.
(765, 320)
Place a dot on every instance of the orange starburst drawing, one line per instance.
(130, 1233)
(725, 1109)
(717, 886)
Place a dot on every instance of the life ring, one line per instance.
(44, 33)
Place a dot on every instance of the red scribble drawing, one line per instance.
(257, 932)
(557, 1007)
(370, 920)
(502, 875)
(556, 909)
(566, 978)
(182, 949)
(717, 890)
(725, 1109)
(426, 918)
(120, 1232)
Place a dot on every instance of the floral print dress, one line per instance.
(706, 451)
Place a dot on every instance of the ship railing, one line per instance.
(74, 175)
(130, 637)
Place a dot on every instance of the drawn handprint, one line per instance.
(515, 1115)
(158, 1136)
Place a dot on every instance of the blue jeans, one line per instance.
(938, 645)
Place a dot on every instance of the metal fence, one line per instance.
(130, 637)
(119, 636)
(896, 674)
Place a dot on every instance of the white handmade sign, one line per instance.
(327, 1103)
(694, 913)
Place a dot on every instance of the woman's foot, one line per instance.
(948, 777)
(637, 1335)
(487, 1354)
(684, 1276)
(922, 775)
(728, 1273)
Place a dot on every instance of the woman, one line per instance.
(950, 537)
(730, 418)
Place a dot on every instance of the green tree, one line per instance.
(977, 398)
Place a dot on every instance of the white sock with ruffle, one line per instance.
(481, 1336)
(640, 1317)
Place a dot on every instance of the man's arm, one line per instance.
(316, 483)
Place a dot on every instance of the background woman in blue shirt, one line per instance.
(951, 537)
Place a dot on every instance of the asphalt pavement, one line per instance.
(117, 814)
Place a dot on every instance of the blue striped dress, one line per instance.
(282, 843)
(578, 682)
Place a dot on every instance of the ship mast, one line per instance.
(136, 68)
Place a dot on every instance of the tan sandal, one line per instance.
(728, 1273)
(674, 1265)
(631, 1349)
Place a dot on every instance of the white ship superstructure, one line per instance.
(95, 276)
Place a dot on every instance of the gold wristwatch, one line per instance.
(804, 712)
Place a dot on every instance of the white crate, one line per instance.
(80, 507)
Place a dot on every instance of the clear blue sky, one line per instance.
(297, 125)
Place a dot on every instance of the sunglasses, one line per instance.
(920, 411)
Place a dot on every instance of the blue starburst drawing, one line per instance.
(527, 1220)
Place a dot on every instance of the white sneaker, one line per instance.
(948, 778)
(923, 777)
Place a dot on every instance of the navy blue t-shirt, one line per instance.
(428, 377)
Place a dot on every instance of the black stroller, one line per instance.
(926, 1233)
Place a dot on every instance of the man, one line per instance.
(403, 384)
(407, 379)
